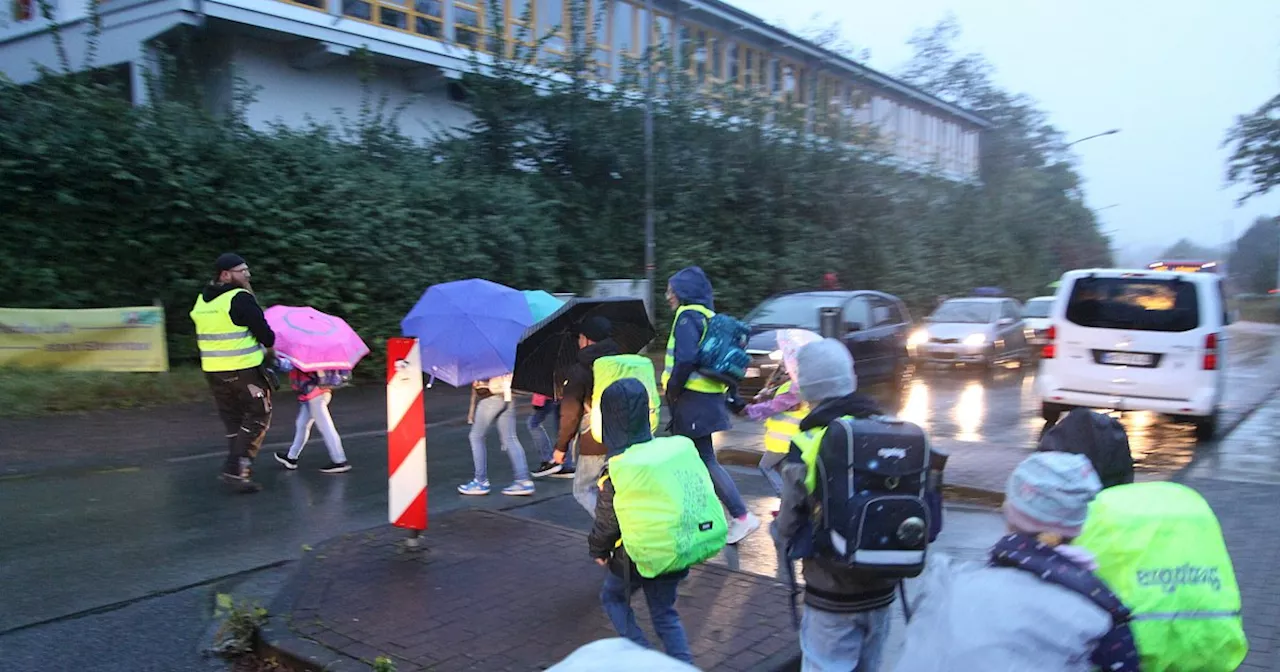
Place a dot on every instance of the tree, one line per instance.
(1255, 160)
(1253, 261)
(1186, 250)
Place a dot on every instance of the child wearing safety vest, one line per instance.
(653, 490)
(782, 409)
(1160, 547)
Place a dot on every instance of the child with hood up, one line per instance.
(1036, 603)
(783, 409)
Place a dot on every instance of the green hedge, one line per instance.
(106, 204)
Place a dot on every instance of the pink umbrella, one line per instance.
(315, 341)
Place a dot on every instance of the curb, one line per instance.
(276, 639)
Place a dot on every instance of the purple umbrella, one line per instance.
(467, 330)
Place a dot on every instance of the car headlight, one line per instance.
(975, 339)
(917, 338)
(776, 355)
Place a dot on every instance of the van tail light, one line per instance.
(1050, 348)
(1211, 352)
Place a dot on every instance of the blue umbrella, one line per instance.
(467, 330)
(541, 304)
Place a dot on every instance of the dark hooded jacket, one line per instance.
(245, 312)
(693, 414)
(829, 586)
(578, 388)
(1099, 437)
(624, 422)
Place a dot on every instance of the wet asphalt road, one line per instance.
(76, 538)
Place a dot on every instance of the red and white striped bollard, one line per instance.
(406, 438)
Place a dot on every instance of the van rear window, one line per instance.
(1141, 304)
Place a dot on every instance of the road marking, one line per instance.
(286, 444)
(118, 470)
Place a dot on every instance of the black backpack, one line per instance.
(874, 510)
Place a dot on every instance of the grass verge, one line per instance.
(1259, 310)
(32, 392)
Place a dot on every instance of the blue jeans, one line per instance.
(726, 489)
(660, 594)
(843, 642)
(490, 410)
(544, 426)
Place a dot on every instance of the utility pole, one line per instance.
(650, 86)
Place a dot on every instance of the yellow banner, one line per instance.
(95, 339)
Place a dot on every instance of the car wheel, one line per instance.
(1206, 427)
(1051, 413)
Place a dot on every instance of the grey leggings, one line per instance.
(316, 411)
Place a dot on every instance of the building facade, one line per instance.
(297, 55)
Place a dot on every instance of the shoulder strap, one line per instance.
(1116, 651)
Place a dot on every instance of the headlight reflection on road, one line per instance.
(970, 408)
(915, 408)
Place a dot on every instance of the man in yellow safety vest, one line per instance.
(235, 341)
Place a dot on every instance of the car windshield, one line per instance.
(968, 312)
(1143, 304)
(798, 311)
(1037, 308)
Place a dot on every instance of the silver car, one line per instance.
(982, 331)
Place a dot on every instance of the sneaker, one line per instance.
(336, 468)
(285, 462)
(547, 469)
(739, 528)
(474, 488)
(565, 472)
(519, 489)
(242, 484)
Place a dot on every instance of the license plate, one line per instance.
(1128, 359)
(752, 372)
(945, 355)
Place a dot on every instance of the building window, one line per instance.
(468, 23)
(321, 5)
(421, 17)
(24, 10)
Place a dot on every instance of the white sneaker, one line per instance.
(739, 528)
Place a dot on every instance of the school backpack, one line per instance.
(667, 508)
(722, 353)
(1160, 548)
(606, 371)
(871, 483)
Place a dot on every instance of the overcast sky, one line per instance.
(1171, 75)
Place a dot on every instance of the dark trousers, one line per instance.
(243, 399)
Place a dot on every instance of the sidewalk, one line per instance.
(516, 590)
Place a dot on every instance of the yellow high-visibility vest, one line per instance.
(697, 382)
(781, 428)
(224, 345)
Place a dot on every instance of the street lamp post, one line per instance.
(649, 262)
(1090, 137)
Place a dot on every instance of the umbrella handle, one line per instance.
(431, 381)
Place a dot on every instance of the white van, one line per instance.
(1137, 341)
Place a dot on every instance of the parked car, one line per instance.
(981, 331)
(874, 325)
(1137, 341)
(1035, 313)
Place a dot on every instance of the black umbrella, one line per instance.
(550, 347)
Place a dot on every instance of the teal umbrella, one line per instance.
(541, 304)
